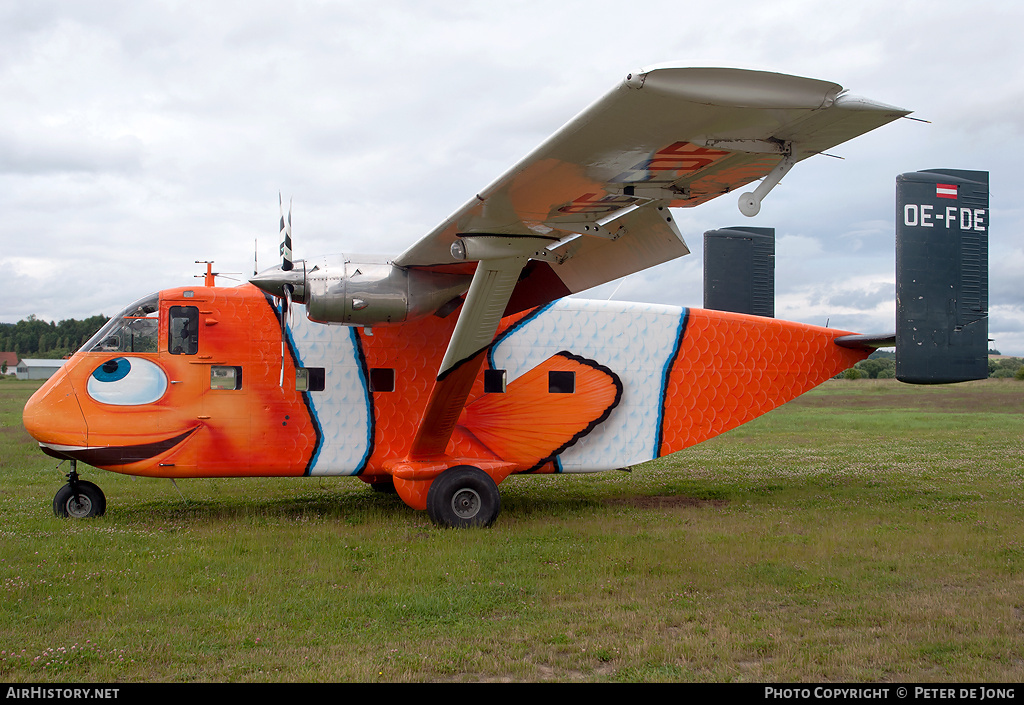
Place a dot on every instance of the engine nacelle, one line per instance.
(374, 292)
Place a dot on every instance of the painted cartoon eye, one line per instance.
(127, 381)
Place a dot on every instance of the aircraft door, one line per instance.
(182, 404)
(206, 354)
(224, 365)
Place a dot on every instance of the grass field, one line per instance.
(869, 531)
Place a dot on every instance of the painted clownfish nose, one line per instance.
(54, 417)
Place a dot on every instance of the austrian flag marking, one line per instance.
(945, 191)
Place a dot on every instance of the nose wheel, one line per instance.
(79, 499)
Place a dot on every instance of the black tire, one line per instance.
(90, 501)
(462, 497)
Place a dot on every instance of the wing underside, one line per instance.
(665, 137)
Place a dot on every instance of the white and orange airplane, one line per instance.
(462, 361)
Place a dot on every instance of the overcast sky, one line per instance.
(137, 137)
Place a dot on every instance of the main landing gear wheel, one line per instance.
(462, 497)
(80, 501)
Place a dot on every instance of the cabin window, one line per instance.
(310, 379)
(183, 331)
(494, 381)
(561, 382)
(225, 377)
(382, 379)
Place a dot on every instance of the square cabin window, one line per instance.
(382, 379)
(225, 377)
(310, 379)
(494, 381)
(561, 382)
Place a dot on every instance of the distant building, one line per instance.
(11, 358)
(38, 369)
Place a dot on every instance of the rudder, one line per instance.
(942, 220)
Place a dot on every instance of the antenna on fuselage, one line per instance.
(209, 277)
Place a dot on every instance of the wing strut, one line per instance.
(501, 259)
(750, 202)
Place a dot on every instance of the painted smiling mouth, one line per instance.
(100, 456)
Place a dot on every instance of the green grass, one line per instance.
(867, 531)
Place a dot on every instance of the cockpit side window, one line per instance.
(135, 329)
(183, 331)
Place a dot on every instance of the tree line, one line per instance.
(882, 365)
(35, 338)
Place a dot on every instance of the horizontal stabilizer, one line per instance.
(867, 342)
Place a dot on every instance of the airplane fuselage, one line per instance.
(193, 387)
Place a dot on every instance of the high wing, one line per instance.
(664, 137)
(592, 203)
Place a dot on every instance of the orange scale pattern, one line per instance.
(414, 351)
(732, 368)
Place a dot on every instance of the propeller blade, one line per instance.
(286, 309)
(286, 236)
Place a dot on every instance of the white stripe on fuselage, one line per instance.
(635, 341)
(342, 409)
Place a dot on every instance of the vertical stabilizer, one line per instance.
(942, 222)
(739, 270)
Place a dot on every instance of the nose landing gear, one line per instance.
(79, 499)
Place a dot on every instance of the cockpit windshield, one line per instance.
(135, 329)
